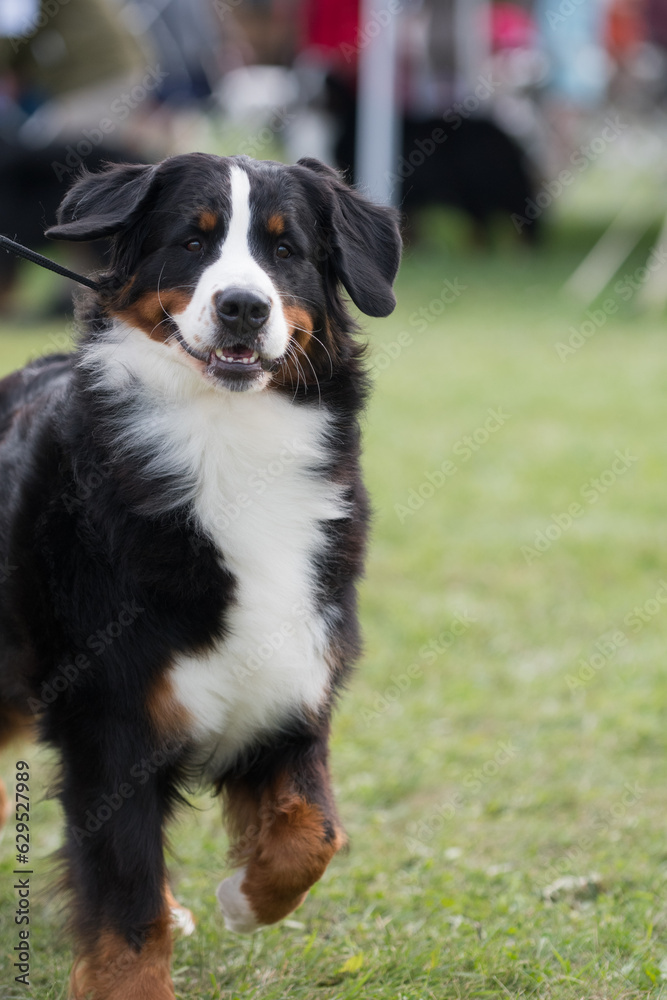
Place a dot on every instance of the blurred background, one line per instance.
(501, 756)
(493, 111)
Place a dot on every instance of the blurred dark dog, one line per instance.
(468, 163)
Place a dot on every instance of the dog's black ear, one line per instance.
(103, 204)
(363, 239)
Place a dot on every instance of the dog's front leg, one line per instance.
(285, 832)
(115, 801)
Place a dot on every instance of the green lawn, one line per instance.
(508, 724)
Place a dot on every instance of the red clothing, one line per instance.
(332, 26)
(625, 27)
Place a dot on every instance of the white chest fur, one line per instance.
(264, 508)
(250, 457)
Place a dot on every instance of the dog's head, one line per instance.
(234, 266)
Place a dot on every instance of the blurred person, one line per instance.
(625, 28)
(72, 77)
(185, 35)
(625, 35)
(68, 64)
(326, 66)
(272, 30)
(194, 42)
(579, 69)
(518, 65)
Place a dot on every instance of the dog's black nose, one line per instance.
(241, 310)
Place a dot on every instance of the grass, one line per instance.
(473, 773)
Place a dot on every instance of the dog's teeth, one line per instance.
(237, 361)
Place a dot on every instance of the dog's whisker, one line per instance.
(317, 381)
(325, 348)
(290, 353)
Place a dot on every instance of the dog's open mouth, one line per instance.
(237, 359)
(237, 367)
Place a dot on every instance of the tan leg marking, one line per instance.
(13, 725)
(114, 970)
(170, 720)
(285, 849)
(182, 921)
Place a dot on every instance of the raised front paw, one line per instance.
(235, 906)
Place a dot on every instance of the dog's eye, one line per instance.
(283, 252)
(194, 246)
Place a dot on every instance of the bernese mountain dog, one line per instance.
(182, 527)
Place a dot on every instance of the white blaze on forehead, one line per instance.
(235, 267)
(236, 246)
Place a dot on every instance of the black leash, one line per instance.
(36, 258)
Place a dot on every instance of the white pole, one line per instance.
(377, 113)
(472, 31)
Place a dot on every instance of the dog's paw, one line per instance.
(235, 906)
(182, 921)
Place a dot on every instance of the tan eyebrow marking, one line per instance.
(276, 224)
(208, 220)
